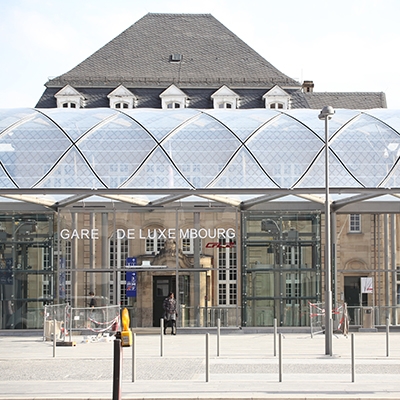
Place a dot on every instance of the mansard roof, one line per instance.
(190, 50)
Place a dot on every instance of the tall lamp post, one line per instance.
(326, 114)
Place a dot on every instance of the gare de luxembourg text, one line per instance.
(170, 233)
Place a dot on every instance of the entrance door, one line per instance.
(352, 292)
(162, 285)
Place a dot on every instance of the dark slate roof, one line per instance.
(349, 100)
(140, 57)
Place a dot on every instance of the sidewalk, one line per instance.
(246, 368)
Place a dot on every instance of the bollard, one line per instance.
(54, 338)
(207, 358)
(280, 357)
(275, 333)
(161, 337)
(218, 334)
(387, 337)
(133, 357)
(117, 370)
(353, 369)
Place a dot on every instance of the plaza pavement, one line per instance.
(247, 367)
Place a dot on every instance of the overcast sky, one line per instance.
(342, 45)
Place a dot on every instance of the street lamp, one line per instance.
(326, 114)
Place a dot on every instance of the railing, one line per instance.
(379, 317)
(208, 316)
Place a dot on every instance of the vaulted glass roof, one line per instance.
(155, 156)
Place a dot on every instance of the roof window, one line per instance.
(225, 98)
(173, 97)
(121, 97)
(175, 57)
(69, 97)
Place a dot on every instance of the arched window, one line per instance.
(68, 105)
(69, 97)
(121, 97)
(225, 98)
(276, 105)
(225, 105)
(227, 272)
(173, 98)
(119, 251)
(174, 104)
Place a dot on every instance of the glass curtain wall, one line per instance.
(281, 268)
(26, 269)
(135, 258)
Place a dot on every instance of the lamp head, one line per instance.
(326, 112)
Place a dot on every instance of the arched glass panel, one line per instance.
(285, 148)
(116, 149)
(200, 149)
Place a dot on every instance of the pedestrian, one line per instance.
(92, 302)
(170, 314)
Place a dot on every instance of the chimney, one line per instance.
(308, 87)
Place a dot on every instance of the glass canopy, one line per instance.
(229, 156)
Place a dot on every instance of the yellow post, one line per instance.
(126, 334)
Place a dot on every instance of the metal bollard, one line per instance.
(280, 358)
(387, 337)
(117, 381)
(207, 357)
(353, 369)
(133, 357)
(161, 337)
(275, 333)
(218, 334)
(54, 338)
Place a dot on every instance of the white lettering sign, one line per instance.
(170, 233)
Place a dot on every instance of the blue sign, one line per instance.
(130, 262)
(131, 284)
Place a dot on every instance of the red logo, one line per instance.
(217, 245)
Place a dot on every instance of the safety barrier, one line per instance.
(63, 321)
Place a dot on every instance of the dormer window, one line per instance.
(121, 105)
(68, 105)
(68, 97)
(173, 104)
(277, 98)
(276, 105)
(173, 97)
(121, 97)
(225, 98)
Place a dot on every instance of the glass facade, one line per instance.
(281, 267)
(27, 270)
(221, 206)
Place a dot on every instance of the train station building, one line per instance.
(177, 159)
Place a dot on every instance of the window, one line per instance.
(277, 98)
(121, 97)
(121, 105)
(225, 105)
(173, 98)
(293, 291)
(153, 246)
(174, 104)
(119, 252)
(69, 105)
(188, 245)
(69, 97)
(227, 274)
(276, 105)
(225, 98)
(355, 223)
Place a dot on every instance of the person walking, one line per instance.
(170, 313)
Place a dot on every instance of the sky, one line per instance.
(341, 45)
